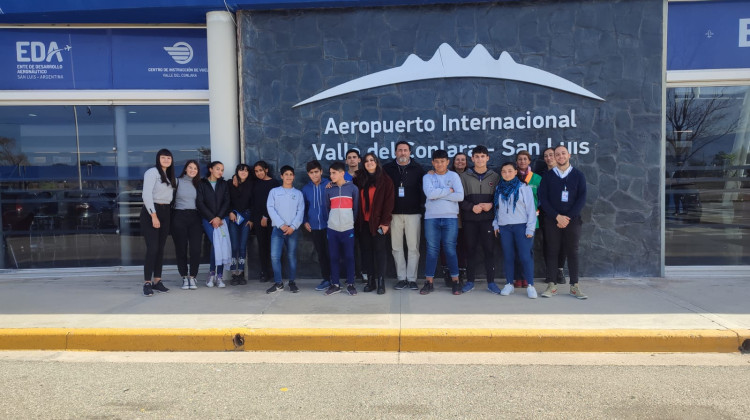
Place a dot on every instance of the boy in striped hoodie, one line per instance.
(341, 203)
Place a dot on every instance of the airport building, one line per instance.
(652, 98)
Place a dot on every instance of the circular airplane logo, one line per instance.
(181, 52)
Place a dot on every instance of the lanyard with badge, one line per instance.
(401, 189)
(564, 197)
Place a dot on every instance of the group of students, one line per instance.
(359, 208)
(188, 206)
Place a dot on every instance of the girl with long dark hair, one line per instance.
(239, 220)
(374, 219)
(261, 222)
(212, 201)
(187, 230)
(158, 192)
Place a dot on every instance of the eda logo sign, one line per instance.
(39, 52)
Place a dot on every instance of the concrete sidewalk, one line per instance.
(97, 310)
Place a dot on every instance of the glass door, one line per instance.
(707, 214)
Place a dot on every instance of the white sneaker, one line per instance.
(191, 283)
(220, 282)
(185, 283)
(210, 282)
(507, 289)
(531, 292)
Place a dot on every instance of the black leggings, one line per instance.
(374, 257)
(187, 233)
(482, 233)
(155, 240)
(264, 248)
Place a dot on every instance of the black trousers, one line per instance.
(187, 234)
(320, 241)
(562, 240)
(374, 257)
(561, 255)
(480, 233)
(264, 248)
(155, 240)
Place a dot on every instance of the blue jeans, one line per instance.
(278, 240)
(341, 245)
(441, 232)
(238, 234)
(212, 259)
(515, 243)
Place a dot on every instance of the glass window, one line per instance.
(707, 186)
(71, 177)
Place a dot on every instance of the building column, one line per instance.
(223, 90)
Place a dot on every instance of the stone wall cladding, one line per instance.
(611, 48)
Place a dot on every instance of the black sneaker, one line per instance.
(275, 288)
(427, 288)
(560, 276)
(413, 285)
(457, 288)
(351, 290)
(293, 287)
(241, 279)
(334, 288)
(235, 280)
(402, 284)
(147, 290)
(160, 287)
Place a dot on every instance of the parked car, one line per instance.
(89, 209)
(20, 207)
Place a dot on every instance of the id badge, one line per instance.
(401, 192)
(565, 196)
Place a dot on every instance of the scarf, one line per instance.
(506, 190)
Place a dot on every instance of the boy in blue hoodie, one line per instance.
(316, 218)
(342, 200)
(286, 208)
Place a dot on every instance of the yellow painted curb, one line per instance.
(230, 339)
(615, 340)
(367, 339)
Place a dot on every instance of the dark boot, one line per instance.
(560, 276)
(447, 276)
(381, 285)
(370, 287)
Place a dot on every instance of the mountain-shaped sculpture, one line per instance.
(447, 63)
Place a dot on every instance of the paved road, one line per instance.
(64, 385)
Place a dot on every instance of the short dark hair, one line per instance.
(352, 151)
(403, 142)
(513, 164)
(286, 168)
(561, 145)
(439, 154)
(523, 153)
(338, 166)
(480, 149)
(314, 164)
